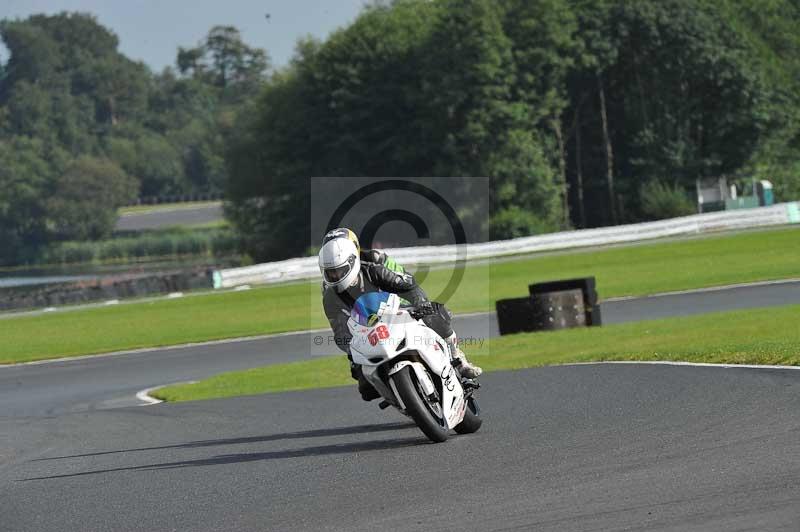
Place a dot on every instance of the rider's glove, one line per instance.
(423, 309)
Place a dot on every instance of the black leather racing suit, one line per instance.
(378, 278)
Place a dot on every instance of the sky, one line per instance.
(152, 30)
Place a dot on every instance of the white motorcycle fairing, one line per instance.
(398, 340)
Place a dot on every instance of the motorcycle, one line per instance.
(410, 366)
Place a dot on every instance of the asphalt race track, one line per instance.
(181, 215)
(563, 448)
(599, 447)
(112, 381)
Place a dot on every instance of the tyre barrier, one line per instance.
(550, 306)
(514, 315)
(588, 289)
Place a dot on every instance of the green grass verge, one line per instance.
(318, 373)
(744, 337)
(633, 270)
(640, 269)
(222, 223)
(153, 323)
(165, 207)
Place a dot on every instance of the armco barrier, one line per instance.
(306, 267)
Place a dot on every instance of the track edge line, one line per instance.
(679, 363)
(145, 397)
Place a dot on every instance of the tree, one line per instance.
(544, 49)
(224, 60)
(469, 75)
(33, 54)
(71, 60)
(71, 103)
(411, 88)
(120, 89)
(348, 108)
(25, 179)
(771, 29)
(567, 105)
(663, 89)
(660, 200)
(220, 75)
(152, 160)
(525, 194)
(87, 195)
(269, 166)
(490, 113)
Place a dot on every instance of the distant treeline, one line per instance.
(582, 113)
(84, 129)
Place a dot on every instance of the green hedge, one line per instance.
(143, 247)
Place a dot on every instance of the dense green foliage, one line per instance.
(660, 201)
(143, 247)
(83, 129)
(573, 108)
(581, 112)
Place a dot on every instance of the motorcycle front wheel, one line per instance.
(419, 407)
(472, 420)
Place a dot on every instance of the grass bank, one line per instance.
(166, 207)
(633, 270)
(640, 269)
(744, 337)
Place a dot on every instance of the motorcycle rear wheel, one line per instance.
(417, 406)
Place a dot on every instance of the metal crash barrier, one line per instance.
(306, 267)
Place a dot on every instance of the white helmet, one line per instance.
(339, 262)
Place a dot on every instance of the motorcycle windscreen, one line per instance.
(365, 310)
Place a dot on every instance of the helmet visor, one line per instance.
(336, 273)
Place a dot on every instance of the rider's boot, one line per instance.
(367, 391)
(355, 369)
(467, 369)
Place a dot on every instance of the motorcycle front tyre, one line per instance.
(416, 406)
(472, 421)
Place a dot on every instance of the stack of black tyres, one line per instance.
(551, 306)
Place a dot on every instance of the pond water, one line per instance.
(19, 277)
(13, 282)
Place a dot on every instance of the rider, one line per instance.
(348, 271)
